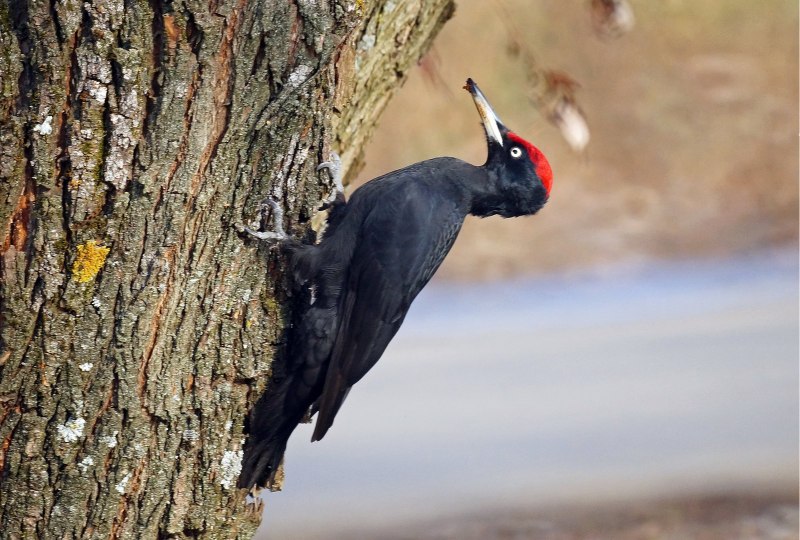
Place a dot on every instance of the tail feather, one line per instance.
(296, 384)
(272, 421)
(262, 464)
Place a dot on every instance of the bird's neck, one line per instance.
(484, 193)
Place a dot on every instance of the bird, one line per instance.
(380, 248)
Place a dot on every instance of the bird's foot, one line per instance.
(278, 233)
(334, 166)
(254, 502)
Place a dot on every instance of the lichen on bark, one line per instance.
(149, 129)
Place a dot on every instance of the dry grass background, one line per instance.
(694, 119)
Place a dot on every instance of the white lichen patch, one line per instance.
(367, 42)
(87, 133)
(121, 137)
(96, 303)
(299, 75)
(85, 464)
(120, 487)
(228, 425)
(230, 467)
(191, 435)
(72, 430)
(110, 440)
(98, 92)
(45, 128)
(86, 366)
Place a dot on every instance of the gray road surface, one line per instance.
(680, 377)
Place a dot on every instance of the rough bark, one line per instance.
(137, 327)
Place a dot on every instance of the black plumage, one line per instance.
(381, 248)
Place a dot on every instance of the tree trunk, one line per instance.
(137, 326)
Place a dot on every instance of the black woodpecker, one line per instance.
(380, 249)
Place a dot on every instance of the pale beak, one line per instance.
(491, 123)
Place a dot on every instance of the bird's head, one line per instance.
(520, 167)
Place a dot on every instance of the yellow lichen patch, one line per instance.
(271, 305)
(89, 261)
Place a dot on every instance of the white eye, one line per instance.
(516, 152)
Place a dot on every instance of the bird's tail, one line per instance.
(262, 463)
(271, 424)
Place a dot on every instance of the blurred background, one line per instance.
(625, 363)
(693, 120)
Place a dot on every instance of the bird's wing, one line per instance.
(399, 250)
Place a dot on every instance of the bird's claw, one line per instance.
(278, 233)
(335, 168)
(264, 235)
(254, 502)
